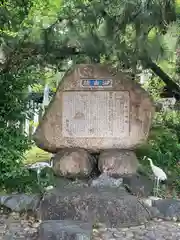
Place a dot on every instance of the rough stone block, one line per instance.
(65, 230)
(20, 202)
(73, 163)
(138, 185)
(118, 162)
(106, 181)
(169, 208)
(111, 206)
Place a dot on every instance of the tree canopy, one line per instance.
(43, 36)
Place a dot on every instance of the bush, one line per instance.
(13, 144)
(13, 175)
(163, 146)
(169, 119)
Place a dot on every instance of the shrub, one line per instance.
(13, 143)
(12, 147)
(163, 146)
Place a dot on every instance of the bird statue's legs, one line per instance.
(38, 175)
(157, 185)
(38, 178)
(154, 188)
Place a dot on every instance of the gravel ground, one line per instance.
(154, 230)
(16, 227)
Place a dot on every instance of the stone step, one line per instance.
(113, 207)
(65, 230)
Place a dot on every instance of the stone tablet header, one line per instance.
(95, 108)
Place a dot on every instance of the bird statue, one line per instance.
(39, 166)
(159, 174)
(49, 188)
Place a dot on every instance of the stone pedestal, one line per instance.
(113, 207)
(118, 162)
(73, 163)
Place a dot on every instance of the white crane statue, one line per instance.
(159, 174)
(39, 166)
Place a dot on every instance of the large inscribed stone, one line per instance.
(95, 108)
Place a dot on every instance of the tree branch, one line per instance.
(171, 86)
(30, 51)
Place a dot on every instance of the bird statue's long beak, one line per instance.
(144, 157)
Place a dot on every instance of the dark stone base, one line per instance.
(111, 206)
(169, 209)
(140, 186)
(71, 230)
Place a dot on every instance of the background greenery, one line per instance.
(39, 40)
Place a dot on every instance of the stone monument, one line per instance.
(98, 110)
(95, 111)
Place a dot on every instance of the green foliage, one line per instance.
(170, 120)
(154, 87)
(119, 30)
(13, 143)
(12, 94)
(21, 24)
(13, 175)
(163, 146)
(12, 146)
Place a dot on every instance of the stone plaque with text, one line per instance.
(95, 114)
